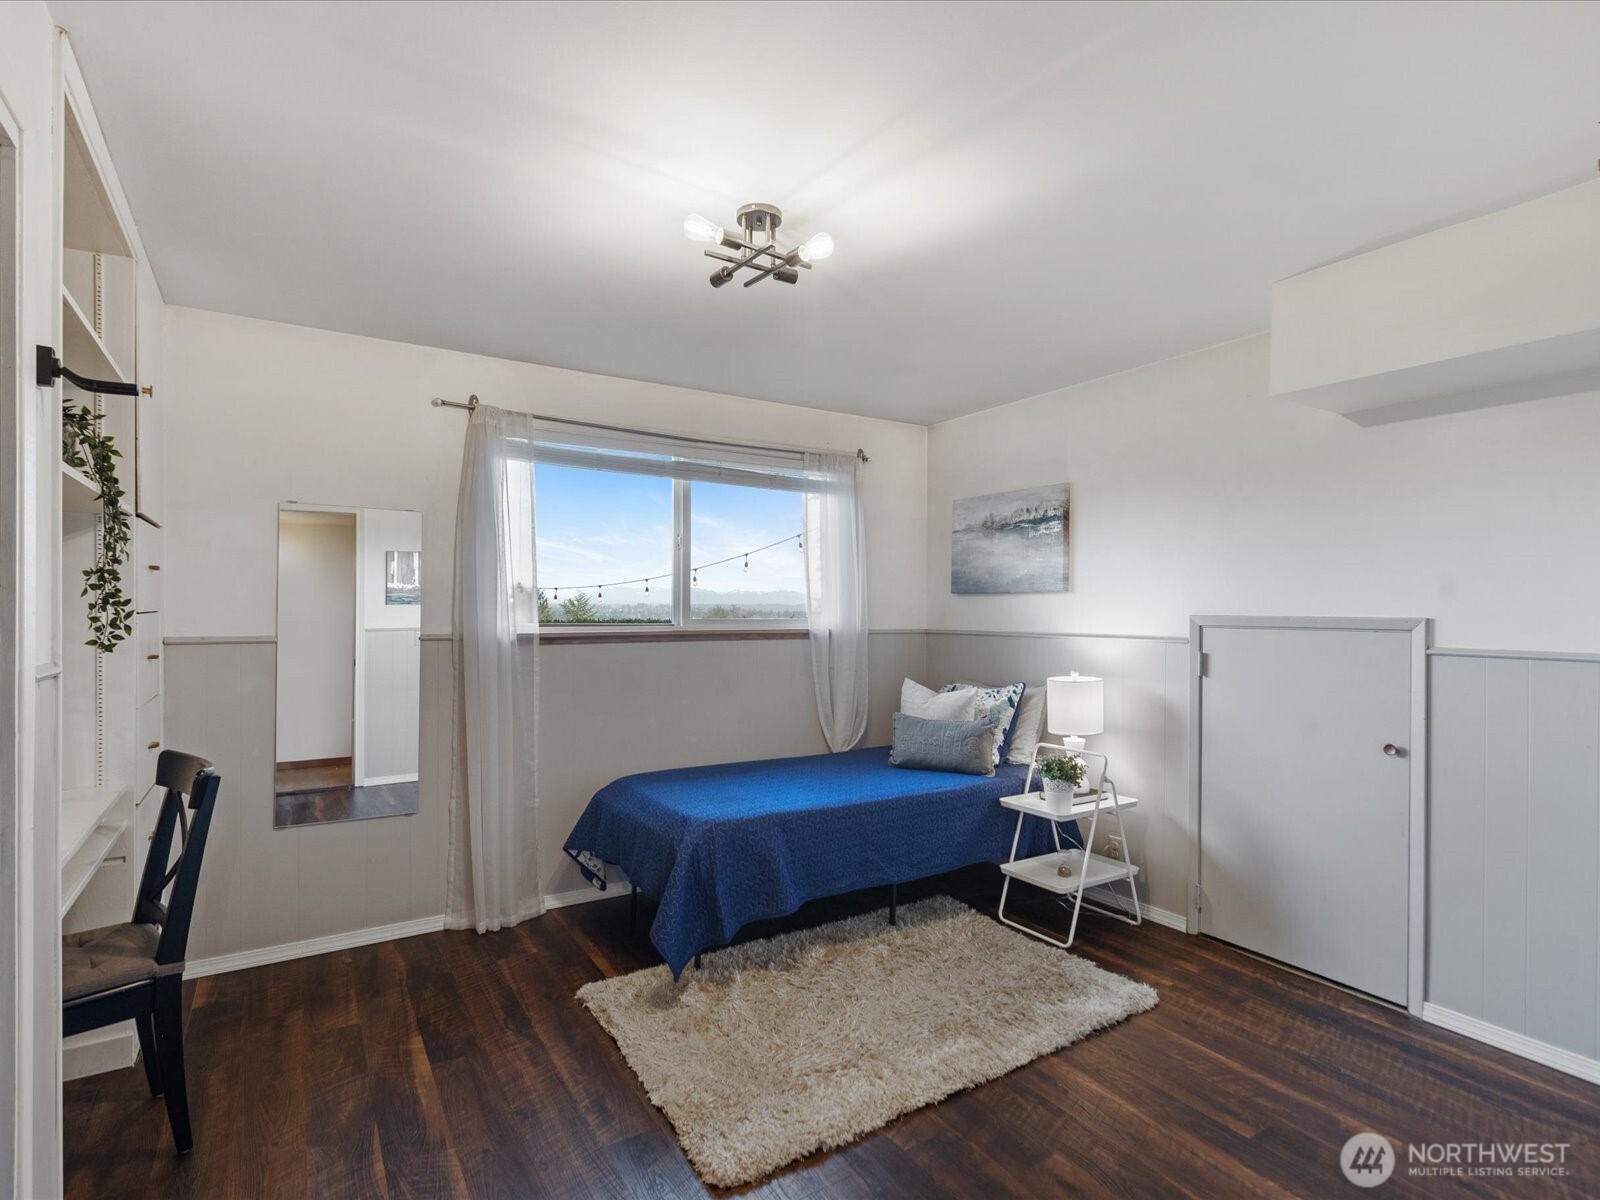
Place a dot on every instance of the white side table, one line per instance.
(1086, 869)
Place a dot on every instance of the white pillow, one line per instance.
(918, 701)
(1029, 728)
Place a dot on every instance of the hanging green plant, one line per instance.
(85, 447)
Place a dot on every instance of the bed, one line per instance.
(721, 846)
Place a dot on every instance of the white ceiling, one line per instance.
(1023, 196)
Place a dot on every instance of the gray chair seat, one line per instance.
(113, 956)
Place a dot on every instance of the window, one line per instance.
(630, 537)
(599, 528)
(746, 554)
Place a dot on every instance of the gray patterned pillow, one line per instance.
(964, 747)
(998, 704)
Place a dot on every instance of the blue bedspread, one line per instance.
(724, 845)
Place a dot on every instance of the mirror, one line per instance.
(349, 663)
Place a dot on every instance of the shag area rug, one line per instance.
(811, 1039)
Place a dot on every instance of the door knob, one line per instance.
(1391, 750)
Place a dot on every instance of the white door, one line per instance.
(1305, 798)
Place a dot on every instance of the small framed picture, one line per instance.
(402, 583)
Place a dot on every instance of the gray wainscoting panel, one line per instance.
(611, 710)
(1505, 790)
(262, 886)
(1146, 711)
(1564, 832)
(607, 710)
(1456, 839)
(391, 693)
(1514, 845)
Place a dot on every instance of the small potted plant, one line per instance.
(1063, 776)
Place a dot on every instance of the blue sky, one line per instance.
(597, 526)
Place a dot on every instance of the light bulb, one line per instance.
(701, 229)
(817, 246)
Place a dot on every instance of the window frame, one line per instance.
(683, 623)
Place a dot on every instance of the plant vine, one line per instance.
(85, 447)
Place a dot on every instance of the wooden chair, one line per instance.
(134, 971)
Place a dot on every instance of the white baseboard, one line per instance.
(384, 780)
(321, 945)
(585, 894)
(99, 1050)
(245, 959)
(1517, 1043)
(1156, 916)
(1160, 916)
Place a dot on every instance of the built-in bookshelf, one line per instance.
(110, 701)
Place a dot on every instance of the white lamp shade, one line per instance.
(1075, 704)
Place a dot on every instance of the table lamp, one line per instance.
(1075, 707)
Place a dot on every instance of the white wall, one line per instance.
(1193, 491)
(284, 413)
(316, 635)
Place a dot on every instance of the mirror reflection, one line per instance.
(349, 663)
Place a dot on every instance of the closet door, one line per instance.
(1305, 799)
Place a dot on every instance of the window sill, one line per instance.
(568, 637)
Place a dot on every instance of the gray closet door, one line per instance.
(1304, 818)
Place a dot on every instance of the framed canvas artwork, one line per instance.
(1012, 542)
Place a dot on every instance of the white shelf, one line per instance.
(78, 492)
(89, 217)
(1082, 808)
(80, 868)
(1041, 871)
(81, 348)
(82, 810)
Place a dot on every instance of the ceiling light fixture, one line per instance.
(758, 251)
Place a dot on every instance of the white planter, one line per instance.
(1058, 795)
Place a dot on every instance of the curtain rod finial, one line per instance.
(862, 455)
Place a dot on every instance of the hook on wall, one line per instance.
(50, 368)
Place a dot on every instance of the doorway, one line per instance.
(1308, 795)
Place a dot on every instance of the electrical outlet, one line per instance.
(1114, 848)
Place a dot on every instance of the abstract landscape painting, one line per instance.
(1012, 542)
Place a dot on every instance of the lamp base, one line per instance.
(1073, 745)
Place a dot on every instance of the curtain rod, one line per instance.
(472, 403)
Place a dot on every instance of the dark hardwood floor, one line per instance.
(344, 804)
(458, 1065)
(315, 775)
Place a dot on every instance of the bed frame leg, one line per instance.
(633, 910)
(894, 900)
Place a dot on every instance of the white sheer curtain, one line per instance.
(494, 860)
(836, 596)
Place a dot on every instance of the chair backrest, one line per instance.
(186, 780)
